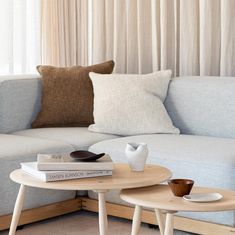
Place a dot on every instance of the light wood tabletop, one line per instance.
(122, 178)
(160, 198)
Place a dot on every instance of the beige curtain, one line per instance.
(191, 37)
(64, 32)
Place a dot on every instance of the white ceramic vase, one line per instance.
(136, 155)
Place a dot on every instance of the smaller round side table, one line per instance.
(161, 198)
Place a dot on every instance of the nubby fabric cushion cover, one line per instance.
(67, 95)
(129, 104)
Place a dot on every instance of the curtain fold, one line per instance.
(65, 32)
(227, 62)
(210, 31)
(191, 37)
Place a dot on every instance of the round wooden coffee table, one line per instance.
(122, 178)
(160, 197)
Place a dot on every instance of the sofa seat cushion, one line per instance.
(185, 155)
(16, 149)
(209, 161)
(78, 137)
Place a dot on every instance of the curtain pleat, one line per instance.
(65, 32)
(227, 63)
(156, 41)
(109, 24)
(189, 37)
(99, 37)
(144, 36)
(168, 39)
(132, 37)
(210, 30)
(120, 36)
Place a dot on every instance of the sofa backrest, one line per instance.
(203, 105)
(197, 105)
(19, 101)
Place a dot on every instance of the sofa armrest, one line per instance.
(20, 98)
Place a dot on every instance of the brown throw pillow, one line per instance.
(67, 95)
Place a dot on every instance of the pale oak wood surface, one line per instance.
(161, 197)
(122, 178)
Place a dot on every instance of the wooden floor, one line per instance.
(84, 203)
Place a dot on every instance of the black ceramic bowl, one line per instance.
(86, 156)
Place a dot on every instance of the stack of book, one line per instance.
(56, 167)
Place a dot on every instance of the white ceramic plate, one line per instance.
(203, 197)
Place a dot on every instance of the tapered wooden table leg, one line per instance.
(103, 223)
(160, 220)
(169, 227)
(17, 210)
(136, 220)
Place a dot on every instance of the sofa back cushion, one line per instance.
(203, 105)
(20, 97)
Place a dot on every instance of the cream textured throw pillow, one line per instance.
(130, 104)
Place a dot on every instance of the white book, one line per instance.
(48, 162)
(47, 176)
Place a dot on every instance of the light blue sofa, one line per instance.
(203, 108)
(19, 103)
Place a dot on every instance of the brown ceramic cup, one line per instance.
(181, 187)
